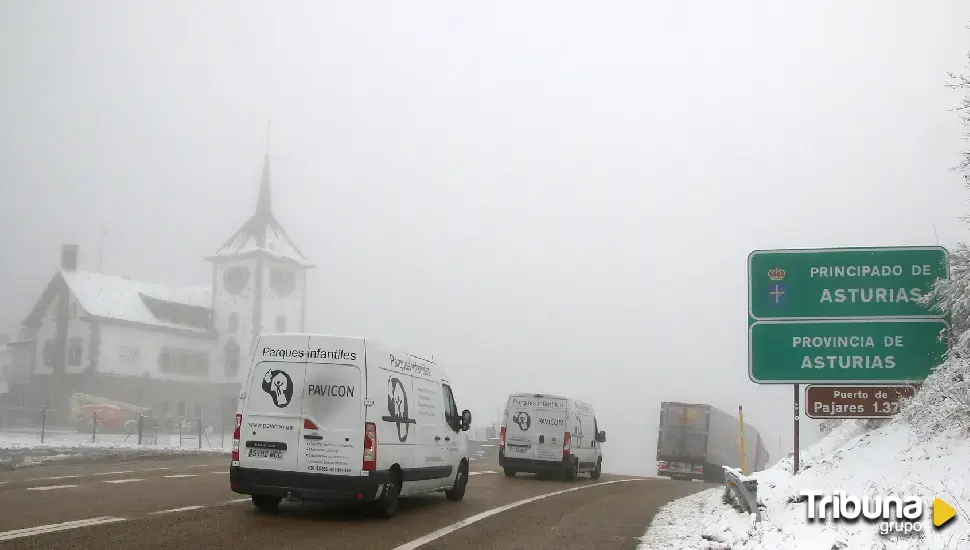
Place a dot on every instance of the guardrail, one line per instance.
(745, 489)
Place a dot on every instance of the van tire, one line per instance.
(595, 474)
(266, 503)
(573, 472)
(387, 505)
(509, 472)
(457, 491)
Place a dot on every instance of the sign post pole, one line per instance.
(797, 415)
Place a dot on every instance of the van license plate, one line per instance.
(519, 448)
(265, 453)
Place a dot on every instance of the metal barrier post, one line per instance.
(94, 426)
(141, 427)
(745, 489)
(200, 433)
(43, 423)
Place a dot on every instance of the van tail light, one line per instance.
(502, 440)
(566, 444)
(235, 439)
(370, 446)
(661, 464)
(309, 425)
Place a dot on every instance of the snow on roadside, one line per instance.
(882, 461)
(20, 449)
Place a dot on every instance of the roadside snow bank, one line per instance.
(892, 459)
(22, 449)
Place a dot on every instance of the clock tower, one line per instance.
(259, 285)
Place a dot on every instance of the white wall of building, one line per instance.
(135, 352)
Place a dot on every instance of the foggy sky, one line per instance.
(547, 196)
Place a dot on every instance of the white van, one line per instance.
(325, 418)
(550, 434)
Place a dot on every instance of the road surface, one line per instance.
(186, 503)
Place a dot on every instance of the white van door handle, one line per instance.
(437, 438)
(447, 438)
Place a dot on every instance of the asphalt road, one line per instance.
(186, 502)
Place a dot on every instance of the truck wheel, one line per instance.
(387, 505)
(595, 474)
(573, 472)
(457, 491)
(509, 472)
(266, 503)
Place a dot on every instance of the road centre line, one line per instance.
(53, 528)
(418, 542)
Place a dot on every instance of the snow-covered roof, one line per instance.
(262, 234)
(275, 242)
(114, 297)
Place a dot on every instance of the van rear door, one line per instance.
(272, 410)
(332, 434)
(550, 429)
(519, 428)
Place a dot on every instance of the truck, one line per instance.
(695, 441)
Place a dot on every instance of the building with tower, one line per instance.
(179, 350)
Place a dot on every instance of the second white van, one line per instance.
(550, 434)
(324, 418)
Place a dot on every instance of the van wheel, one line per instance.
(573, 471)
(266, 503)
(509, 472)
(387, 505)
(457, 491)
(595, 474)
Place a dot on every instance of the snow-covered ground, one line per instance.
(20, 448)
(892, 460)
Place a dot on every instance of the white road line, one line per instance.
(49, 487)
(182, 509)
(488, 513)
(176, 476)
(480, 473)
(234, 501)
(53, 528)
(90, 475)
(221, 472)
(129, 480)
(114, 473)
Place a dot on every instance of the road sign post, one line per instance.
(843, 316)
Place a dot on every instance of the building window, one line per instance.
(197, 411)
(235, 279)
(233, 323)
(180, 409)
(75, 351)
(184, 362)
(232, 359)
(282, 281)
(72, 310)
(128, 355)
(49, 354)
(281, 323)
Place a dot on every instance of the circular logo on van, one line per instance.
(397, 407)
(523, 419)
(279, 386)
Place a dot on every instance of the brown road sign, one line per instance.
(823, 402)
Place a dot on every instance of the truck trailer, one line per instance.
(695, 441)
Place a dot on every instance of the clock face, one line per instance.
(282, 281)
(235, 279)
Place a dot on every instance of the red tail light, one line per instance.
(309, 425)
(370, 446)
(235, 440)
(566, 441)
(502, 441)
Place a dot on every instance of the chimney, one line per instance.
(69, 257)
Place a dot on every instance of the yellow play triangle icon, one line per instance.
(942, 512)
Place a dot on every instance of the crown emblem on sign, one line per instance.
(776, 274)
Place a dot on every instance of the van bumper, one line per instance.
(307, 486)
(530, 466)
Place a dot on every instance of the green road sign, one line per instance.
(841, 283)
(891, 351)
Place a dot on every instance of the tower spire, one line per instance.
(264, 205)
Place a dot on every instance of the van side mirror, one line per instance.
(601, 437)
(466, 420)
